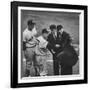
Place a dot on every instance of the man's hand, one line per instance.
(57, 45)
(53, 52)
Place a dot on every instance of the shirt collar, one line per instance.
(61, 32)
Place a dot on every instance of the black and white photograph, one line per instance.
(50, 44)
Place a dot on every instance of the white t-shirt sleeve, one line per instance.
(43, 43)
(34, 31)
(27, 35)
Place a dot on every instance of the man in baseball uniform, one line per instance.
(42, 53)
(29, 43)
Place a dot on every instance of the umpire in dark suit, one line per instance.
(63, 53)
(54, 47)
(67, 56)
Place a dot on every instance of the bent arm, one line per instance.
(66, 40)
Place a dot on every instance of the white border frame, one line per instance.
(52, 78)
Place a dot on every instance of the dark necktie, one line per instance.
(59, 35)
(54, 36)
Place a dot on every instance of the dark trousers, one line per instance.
(55, 65)
(27, 73)
(66, 70)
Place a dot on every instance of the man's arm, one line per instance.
(66, 40)
(24, 45)
(50, 45)
(24, 41)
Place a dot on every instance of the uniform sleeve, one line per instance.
(27, 36)
(24, 41)
(34, 31)
(43, 43)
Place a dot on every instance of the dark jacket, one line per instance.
(63, 40)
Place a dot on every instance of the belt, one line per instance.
(31, 46)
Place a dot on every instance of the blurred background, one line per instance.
(44, 19)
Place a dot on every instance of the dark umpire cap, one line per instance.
(45, 31)
(59, 27)
(52, 27)
(30, 22)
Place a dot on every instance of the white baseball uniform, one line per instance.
(29, 38)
